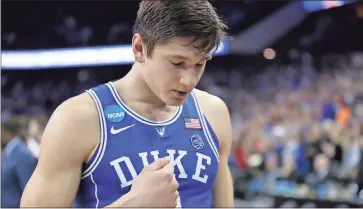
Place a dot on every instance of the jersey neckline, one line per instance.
(139, 117)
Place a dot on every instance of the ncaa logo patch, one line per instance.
(197, 142)
(114, 113)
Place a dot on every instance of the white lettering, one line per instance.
(116, 115)
(116, 164)
(144, 155)
(200, 167)
(177, 161)
(201, 164)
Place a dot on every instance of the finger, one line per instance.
(169, 168)
(176, 195)
(174, 184)
(167, 172)
(159, 163)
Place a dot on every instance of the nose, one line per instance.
(188, 78)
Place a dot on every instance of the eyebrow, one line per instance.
(185, 58)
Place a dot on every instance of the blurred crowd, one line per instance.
(298, 130)
(298, 127)
(67, 24)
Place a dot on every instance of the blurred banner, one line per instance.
(251, 41)
(269, 30)
(75, 57)
(266, 32)
(313, 6)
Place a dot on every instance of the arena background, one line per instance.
(292, 76)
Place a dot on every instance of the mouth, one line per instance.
(180, 93)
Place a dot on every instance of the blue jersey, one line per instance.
(129, 142)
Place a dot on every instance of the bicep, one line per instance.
(223, 189)
(223, 193)
(221, 123)
(56, 178)
(51, 189)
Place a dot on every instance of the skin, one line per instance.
(172, 66)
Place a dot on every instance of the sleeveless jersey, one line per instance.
(129, 142)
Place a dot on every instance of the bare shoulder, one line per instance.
(73, 127)
(208, 100)
(216, 112)
(212, 106)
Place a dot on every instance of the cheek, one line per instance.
(199, 74)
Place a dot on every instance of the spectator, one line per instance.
(18, 163)
(321, 171)
(35, 130)
(344, 113)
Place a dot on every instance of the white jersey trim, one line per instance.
(140, 118)
(103, 137)
(205, 128)
(96, 191)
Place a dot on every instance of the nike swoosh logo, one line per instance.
(116, 131)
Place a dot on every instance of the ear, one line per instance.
(138, 48)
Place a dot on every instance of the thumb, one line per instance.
(169, 168)
(159, 163)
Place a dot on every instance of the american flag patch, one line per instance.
(192, 123)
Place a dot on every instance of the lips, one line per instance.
(181, 93)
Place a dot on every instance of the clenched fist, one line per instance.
(155, 186)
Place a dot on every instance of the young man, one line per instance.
(149, 139)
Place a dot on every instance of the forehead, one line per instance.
(183, 46)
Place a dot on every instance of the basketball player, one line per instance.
(149, 139)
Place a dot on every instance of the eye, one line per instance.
(199, 64)
(177, 63)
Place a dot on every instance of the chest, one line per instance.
(129, 151)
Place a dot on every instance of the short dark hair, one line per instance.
(16, 126)
(42, 119)
(160, 20)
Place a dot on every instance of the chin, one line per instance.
(174, 102)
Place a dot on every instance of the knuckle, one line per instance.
(169, 176)
(173, 203)
(176, 184)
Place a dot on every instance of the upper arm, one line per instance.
(217, 113)
(218, 116)
(67, 141)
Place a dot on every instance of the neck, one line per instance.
(141, 92)
(36, 138)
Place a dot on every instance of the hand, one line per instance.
(155, 186)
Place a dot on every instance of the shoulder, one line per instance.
(211, 105)
(82, 103)
(216, 112)
(74, 125)
(75, 113)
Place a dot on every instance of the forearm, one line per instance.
(128, 200)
